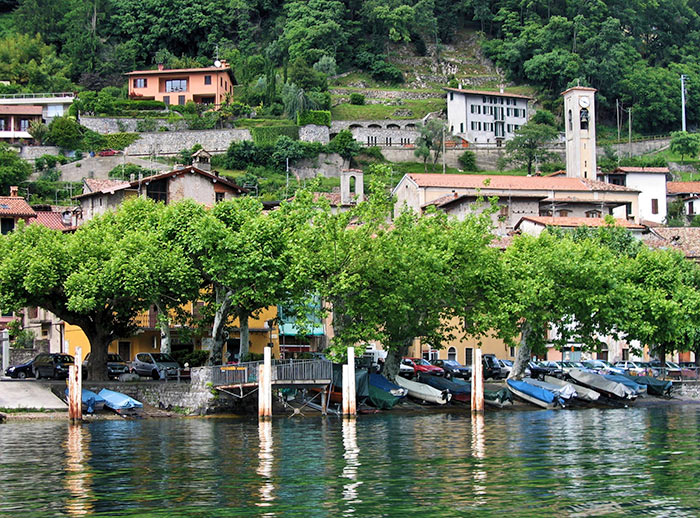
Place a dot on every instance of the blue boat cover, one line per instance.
(445, 384)
(119, 401)
(89, 399)
(532, 390)
(379, 381)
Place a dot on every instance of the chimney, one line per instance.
(14, 191)
(501, 89)
(66, 218)
(160, 66)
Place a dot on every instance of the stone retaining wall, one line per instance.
(31, 153)
(327, 165)
(314, 133)
(106, 125)
(171, 142)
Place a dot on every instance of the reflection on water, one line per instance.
(78, 477)
(578, 463)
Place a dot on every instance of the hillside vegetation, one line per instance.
(632, 51)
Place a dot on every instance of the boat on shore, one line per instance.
(120, 403)
(461, 393)
(91, 402)
(582, 393)
(383, 393)
(565, 391)
(606, 387)
(655, 386)
(533, 394)
(423, 392)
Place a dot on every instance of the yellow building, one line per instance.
(462, 349)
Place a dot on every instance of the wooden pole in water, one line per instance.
(477, 383)
(352, 403)
(265, 385)
(261, 391)
(75, 388)
(346, 393)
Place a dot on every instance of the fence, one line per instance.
(37, 95)
(287, 371)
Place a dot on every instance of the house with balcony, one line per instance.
(18, 111)
(488, 118)
(209, 85)
(651, 182)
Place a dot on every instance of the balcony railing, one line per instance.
(38, 95)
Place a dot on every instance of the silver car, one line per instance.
(155, 365)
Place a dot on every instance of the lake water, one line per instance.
(626, 462)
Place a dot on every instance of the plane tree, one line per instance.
(98, 278)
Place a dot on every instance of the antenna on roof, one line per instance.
(217, 63)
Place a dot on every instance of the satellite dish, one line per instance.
(217, 63)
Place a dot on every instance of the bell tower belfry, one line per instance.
(579, 121)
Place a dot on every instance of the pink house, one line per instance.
(209, 85)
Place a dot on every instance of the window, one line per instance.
(176, 85)
(468, 355)
(691, 208)
(219, 196)
(512, 351)
(564, 213)
(461, 127)
(24, 124)
(654, 206)
(473, 107)
(452, 354)
(571, 121)
(483, 99)
(140, 82)
(7, 225)
(33, 312)
(166, 100)
(625, 355)
(452, 129)
(181, 100)
(207, 80)
(479, 126)
(452, 96)
(593, 214)
(2, 124)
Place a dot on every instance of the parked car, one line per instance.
(116, 366)
(454, 369)
(672, 370)
(155, 365)
(539, 370)
(52, 365)
(630, 368)
(421, 366)
(406, 371)
(506, 367)
(648, 369)
(21, 371)
(491, 366)
(108, 152)
(602, 366)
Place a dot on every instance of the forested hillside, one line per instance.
(632, 51)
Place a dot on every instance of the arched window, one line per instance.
(452, 354)
(571, 121)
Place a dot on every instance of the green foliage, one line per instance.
(544, 117)
(317, 117)
(20, 337)
(468, 161)
(529, 145)
(185, 155)
(93, 141)
(321, 100)
(13, 170)
(127, 171)
(65, 132)
(326, 65)
(685, 143)
(345, 145)
(39, 131)
(120, 140)
(268, 135)
(675, 216)
(192, 358)
(357, 99)
(432, 134)
(305, 77)
(28, 62)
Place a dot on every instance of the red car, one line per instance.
(421, 366)
(108, 152)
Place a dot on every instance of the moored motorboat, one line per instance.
(598, 383)
(583, 393)
(383, 393)
(655, 386)
(639, 389)
(459, 391)
(120, 403)
(91, 402)
(424, 392)
(532, 394)
(565, 391)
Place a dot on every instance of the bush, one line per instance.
(468, 161)
(326, 65)
(20, 338)
(124, 172)
(120, 140)
(317, 117)
(146, 125)
(374, 152)
(93, 141)
(139, 105)
(268, 135)
(357, 99)
(321, 100)
(65, 132)
(383, 71)
(344, 144)
(193, 358)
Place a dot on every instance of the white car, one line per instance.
(631, 367)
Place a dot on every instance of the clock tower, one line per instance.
(579, 121)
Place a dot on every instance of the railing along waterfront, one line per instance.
(287, 371)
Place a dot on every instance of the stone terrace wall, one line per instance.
(314, 133)
(33, 152)
(118, 124)
(172, 142)
(336, 126)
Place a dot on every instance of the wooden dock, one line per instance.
(285, 373)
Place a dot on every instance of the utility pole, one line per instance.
(443, 150)
(683, 78)
(617, 114)
(629, 131)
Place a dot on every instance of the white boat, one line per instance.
(600, 384)
(565, 391)
(533, 394)
(424, 392)
(582, 392)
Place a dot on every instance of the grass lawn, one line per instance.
(419, 108)
(257, 123)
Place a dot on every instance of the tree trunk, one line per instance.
(662, 359)
(164, 324)
(393, 359)
(223, 309)
(523, 356)
(99, 346)
(245, 333)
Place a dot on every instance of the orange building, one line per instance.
(210, 85)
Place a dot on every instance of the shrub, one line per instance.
(286, 149)
(139, 105)
(65, 132)
(383, 71)
(93, 141)
(268, 135)
(468, 161)
(20, 338)
(124, 172)
(326, 65)
(357, 99)
(344, 144)
(146, 125)
(317, 117)
(120, 140)
(39, 131)
(321, 100)
(50, 175)
(374, 152)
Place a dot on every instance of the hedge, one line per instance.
(268, 135)
(317, 117)
(139, 104)
(120, 140)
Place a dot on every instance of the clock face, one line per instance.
(584, 102)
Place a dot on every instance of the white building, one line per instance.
(579, 107)
(485, 117)
(18, 111)
(651, 184)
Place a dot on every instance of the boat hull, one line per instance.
(423, 392)
(540, 397)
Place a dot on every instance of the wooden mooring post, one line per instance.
(349, 400)
(75, 388)
(477, 398)
(265, 386)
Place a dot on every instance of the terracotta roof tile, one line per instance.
(641, 170)
(52, 220)
(178, 71)
(31, 109)
(486, 92)
(96, 185)
(15, 206)
(682, 187)
(512, 182)
(685, 239)
(578, 222)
